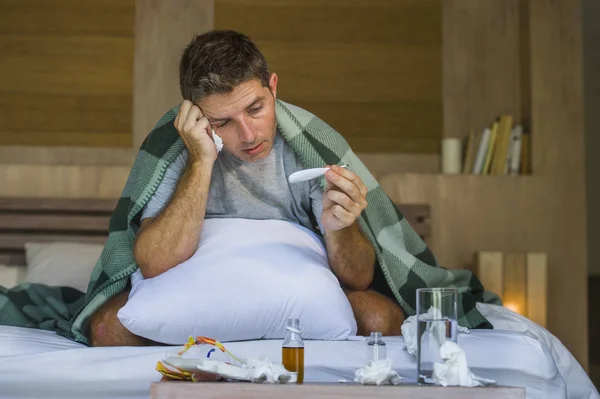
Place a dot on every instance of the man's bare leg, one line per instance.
(375, 312)
(107, 330)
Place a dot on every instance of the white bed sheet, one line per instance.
(41, 364)
(579, 385)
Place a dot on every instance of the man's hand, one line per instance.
(195, 131)
(344, 199)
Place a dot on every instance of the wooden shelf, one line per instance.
(471, 213)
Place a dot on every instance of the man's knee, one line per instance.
(376, 312)
(107, 330)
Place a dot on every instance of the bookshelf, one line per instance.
(523, 59)
(499, 149)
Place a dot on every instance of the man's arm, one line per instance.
(171, 238)
(351, 254)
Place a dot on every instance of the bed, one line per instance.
(35, 363)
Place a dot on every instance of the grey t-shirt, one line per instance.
(258, 190)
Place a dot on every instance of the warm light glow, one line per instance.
(515, 307)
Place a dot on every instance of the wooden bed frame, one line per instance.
(86, 220)
(25, 220)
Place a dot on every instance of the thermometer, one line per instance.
(309, 174)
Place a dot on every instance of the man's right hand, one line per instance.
(195, 131)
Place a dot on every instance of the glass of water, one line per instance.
(436, 323)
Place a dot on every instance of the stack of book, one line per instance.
(499, 149)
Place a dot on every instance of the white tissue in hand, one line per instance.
(218, 141)
(377, 373)
(264, 370)
(409, 329)
(455, 370)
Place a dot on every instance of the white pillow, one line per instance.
(67, 264)
(245, 280)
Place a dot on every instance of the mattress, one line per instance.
(41, 364)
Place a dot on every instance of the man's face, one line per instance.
(244, 118)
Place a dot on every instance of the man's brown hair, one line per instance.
(217, 61)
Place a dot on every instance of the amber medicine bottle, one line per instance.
(292, 351)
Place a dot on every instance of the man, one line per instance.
(228, 89)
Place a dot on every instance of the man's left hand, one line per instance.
(344, 199)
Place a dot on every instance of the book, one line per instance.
(471, 148)
(490, 150)
(513, 157)
(482, 151)
(500, 149)
(502, 144)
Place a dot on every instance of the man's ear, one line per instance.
(273, 84)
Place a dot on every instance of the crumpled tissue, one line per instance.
(455, 370)
(218, 141)
(377, 373)
(409, 330)
(262, 369)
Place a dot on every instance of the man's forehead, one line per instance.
(224, 107)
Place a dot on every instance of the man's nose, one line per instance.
(246, 133)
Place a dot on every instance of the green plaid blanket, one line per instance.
(404, 258)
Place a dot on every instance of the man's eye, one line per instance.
(255, 110)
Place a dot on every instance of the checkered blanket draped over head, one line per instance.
(406, 261)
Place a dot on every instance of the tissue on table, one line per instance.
(264, 370)
(409, 329)
(455, 370)
(377, 373)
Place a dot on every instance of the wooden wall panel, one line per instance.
(162, 31)
(393, 21)
(91, 140)
(379, 83)
(41, 119)
(591, 52)
(67, 17)
(482, 63)
(64, 181)
(66, 64)
(367, 125)
(66, 72)
(559, 158)
(72, 155)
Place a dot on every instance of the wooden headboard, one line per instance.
(25, 220)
